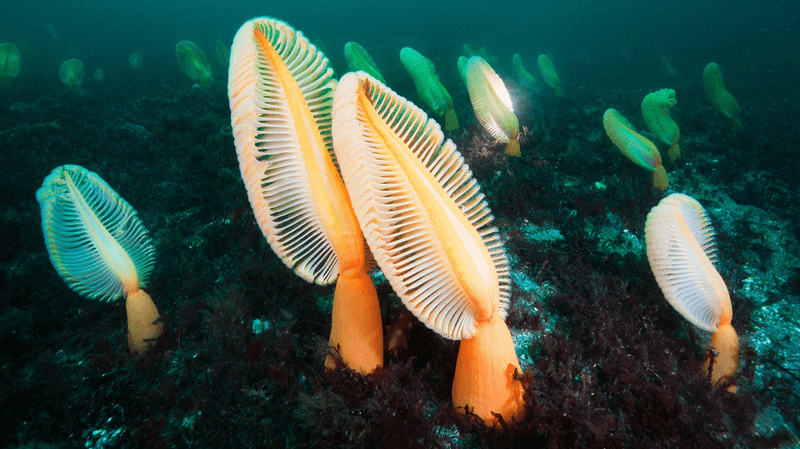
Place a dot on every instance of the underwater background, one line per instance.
(607, 362)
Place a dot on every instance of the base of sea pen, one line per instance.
(484, 379)
(143, 326)
(725, 343)
(512, 148)
(356, 329)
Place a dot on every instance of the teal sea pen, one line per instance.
(99, 246)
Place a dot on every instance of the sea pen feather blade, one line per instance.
(681, 252)
(491, 100)
(94, 237)
(281, 91)
(416, 201)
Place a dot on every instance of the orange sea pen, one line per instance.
(635, 147)
(281, 91)
(429, 228)
(10, 62)
(682, 252)
(429, 88)
(492, 104)
(719, 96)
(655, 111)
